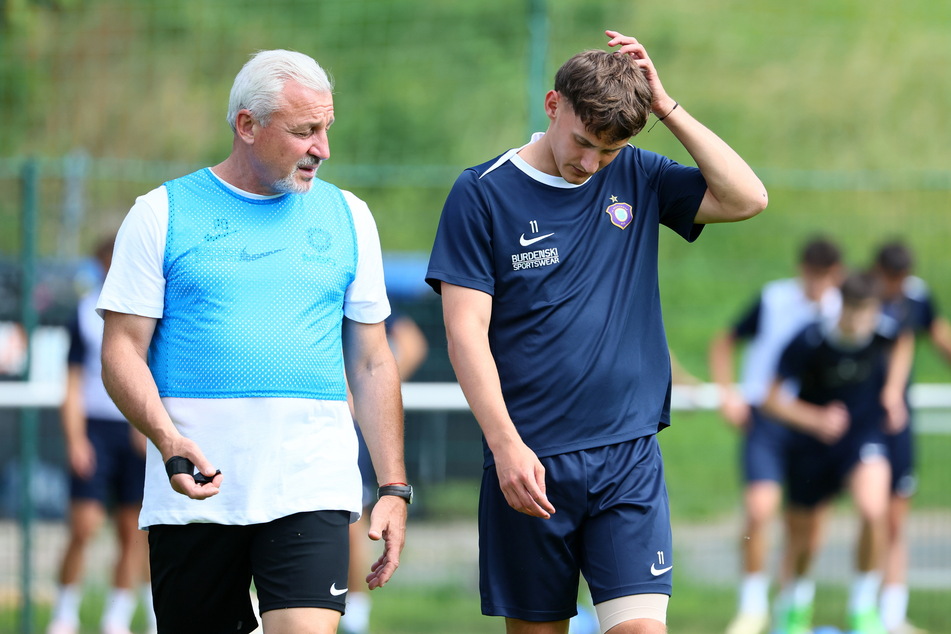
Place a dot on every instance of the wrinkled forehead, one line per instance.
(300, 102)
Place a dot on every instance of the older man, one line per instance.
(241, 301)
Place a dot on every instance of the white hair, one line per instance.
(259, 84)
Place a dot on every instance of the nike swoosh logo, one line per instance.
(659, 571)
(251, 257)
(210, 237)
(335, 592)
(522, 241)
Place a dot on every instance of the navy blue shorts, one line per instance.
(612, 524)
(901, 455)
(766, 447)
(120, 469)
(202, 573)
(818, 472)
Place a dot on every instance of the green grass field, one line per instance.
(700, 456)
(420, 610)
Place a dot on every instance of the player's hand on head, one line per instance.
(522, 480)
(185, 483)
(628, 45)
(387, 522)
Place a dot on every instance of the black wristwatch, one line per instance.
(404, 491)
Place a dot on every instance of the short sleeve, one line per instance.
(462, 252)
(747, 326)
(135, 283)
(927, 312)
(77, 347)
(366, 301)
(680, 190)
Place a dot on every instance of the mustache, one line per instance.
(311, 161)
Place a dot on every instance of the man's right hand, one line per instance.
(522, 480)
(185, 483)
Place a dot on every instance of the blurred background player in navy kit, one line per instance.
(107, 466)
(848, 381)
(905, 298)
(782, 309)
(410, 349)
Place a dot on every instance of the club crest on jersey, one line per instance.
(621, 214)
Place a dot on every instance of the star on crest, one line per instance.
(613, 199)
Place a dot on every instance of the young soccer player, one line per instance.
(849, 380)
(107, 472)
(782, 309)
(907, 299)
(546, 259)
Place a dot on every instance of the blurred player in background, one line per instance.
(546, 259)
(410, 349)
(907, 299)
(242, 301)
(848, 380)
(781, 310)
(107, 467)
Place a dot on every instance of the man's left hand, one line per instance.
(387, 522)
(661, 103)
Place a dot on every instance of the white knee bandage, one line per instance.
(635, 606)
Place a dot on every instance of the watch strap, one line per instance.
(404, 491)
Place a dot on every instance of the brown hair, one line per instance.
(608, 92)
(894, 258)
(820, 253)
(858, 288)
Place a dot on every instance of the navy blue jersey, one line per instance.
(914, 309)
(77, 346)
(747, 326)
(576, 328)
(827, 370)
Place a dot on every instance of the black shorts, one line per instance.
(202, 573)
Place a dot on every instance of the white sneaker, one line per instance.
(748, 624)
(61, 627)
(115, 629)
(907, 628)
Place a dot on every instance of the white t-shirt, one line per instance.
(783, 312)
(95, 399)
(278, 456)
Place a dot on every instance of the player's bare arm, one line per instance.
(79, 450)
(734, 192)
(733, 407)
(126, 375)
(828, 423)
(521, 475)
(374, 381)
(893, 393)
(941, 337)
